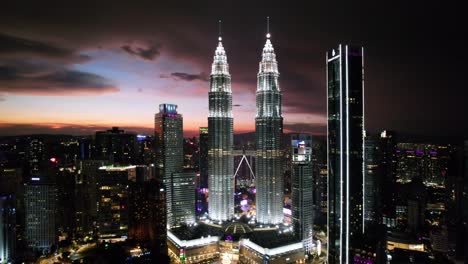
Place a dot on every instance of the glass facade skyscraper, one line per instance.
(168, 130)
(39, 203)
(345, 91)
(302, 187)
(268, 138)
(220, 140)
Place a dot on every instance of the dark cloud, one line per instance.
(237, 105)
(187, 76)
(47, 79)
(151, 52)
(11, 46)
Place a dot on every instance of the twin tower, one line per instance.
(269, 130)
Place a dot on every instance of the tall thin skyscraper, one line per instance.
(168, 130)
(220, 140)
(203, 150)
(302, 184)
(345, 90)
(371, 179)
(268, 137)
(7, 227)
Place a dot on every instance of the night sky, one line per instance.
(76, 66)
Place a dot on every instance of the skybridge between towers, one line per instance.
(245, 155)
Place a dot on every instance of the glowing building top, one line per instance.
(268, 64)
(220, 65)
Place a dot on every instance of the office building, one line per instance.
(36, 156)
(371, 179)
(86, 193)
(112, 202)
(268, 138)
(7, 227)
(168, 129)
(116, 145)
(181, 185)
(387, 178)
(220, 139)
(302, 188)
(147, 214)
(39, 201)
(427, 161)
(203, 154)
(345, 91)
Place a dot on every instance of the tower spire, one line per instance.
(268, 27)
(219, 30)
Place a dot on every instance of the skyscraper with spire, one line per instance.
(268, 137)
(221, 139)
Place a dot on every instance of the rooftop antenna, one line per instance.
(268, 27)
(219, 30)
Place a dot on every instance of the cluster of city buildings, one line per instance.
(352, 197)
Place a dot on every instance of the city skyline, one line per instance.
(79, 70)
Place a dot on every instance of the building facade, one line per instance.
(7, 227)
(39, 201)
(220, 140)
(203, 154)
(302, 187)
(168, 130)
(182, 188)
(116, 145)
(268, 138)
(112, 202)
(345, 90)
(147, 211)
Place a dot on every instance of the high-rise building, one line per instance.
(220, 139)
(388, 176)
(319, 172)
(36, 156)
(7, 227)
(181, 185)
(86, 193)
(268, 138)
(371, 179)
(112, 203)
(302, 187)
(426, 161)
(147, 210)
(345, 90)
(116, 145)
(168, 130)
(39, 201)
(203, 154)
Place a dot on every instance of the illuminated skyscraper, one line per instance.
(7, 227)
(345, 85)
(302, 187)
(168, 131)
(220, 140)
(203, 150)
(39, 203)
(268, 137)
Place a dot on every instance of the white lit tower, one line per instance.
(221, 139)
(269, 132)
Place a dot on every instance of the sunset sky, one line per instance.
(77, 67)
